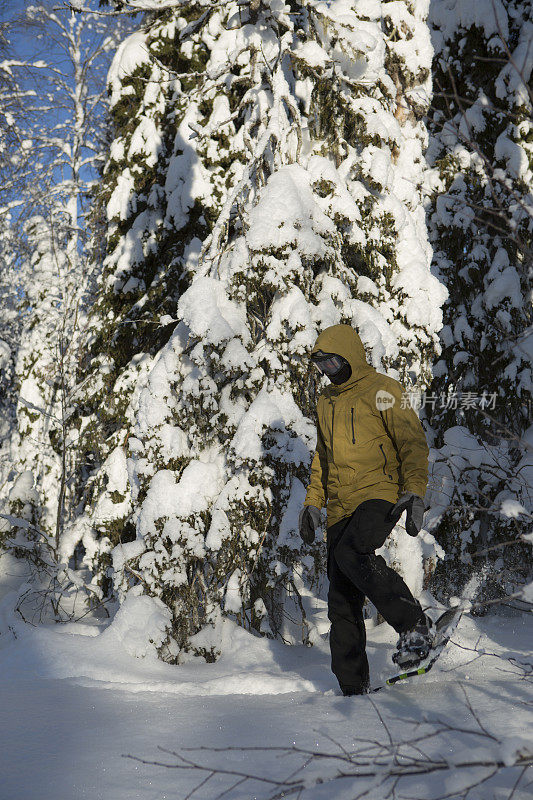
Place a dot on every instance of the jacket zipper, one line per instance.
(384, 462)
(332, 404)
(353, 427)
(333, 428)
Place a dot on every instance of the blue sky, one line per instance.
(27, 44)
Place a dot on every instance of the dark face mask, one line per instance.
(342, 375)
(335, 367)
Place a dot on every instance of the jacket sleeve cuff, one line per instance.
(312, 500)
(419, 489)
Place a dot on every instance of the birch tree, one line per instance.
(64, 94)
(13, 154)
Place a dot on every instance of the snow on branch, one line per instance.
(130, 6)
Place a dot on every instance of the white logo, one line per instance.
(384, 400)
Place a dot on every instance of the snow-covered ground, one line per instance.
(74, 702)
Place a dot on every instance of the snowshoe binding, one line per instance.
(414, 646)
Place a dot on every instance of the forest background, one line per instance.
(190, 192)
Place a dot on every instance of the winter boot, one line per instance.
(348, 691)
(414, 645)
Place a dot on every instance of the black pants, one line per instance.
(356, 572)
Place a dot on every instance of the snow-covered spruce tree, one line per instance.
(61, 125)
(265, 175)
(481, 223)
(149, 233)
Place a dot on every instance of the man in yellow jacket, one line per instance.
(370, 464)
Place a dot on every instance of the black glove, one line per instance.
(308, 522)
(415, 512)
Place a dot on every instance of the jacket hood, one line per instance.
(344, 341)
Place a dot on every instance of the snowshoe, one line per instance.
(444, 629)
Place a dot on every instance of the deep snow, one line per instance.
(73, 702)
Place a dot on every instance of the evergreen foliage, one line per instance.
(265, 177)
(481, 225)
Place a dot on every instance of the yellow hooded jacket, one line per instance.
(365, 449)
